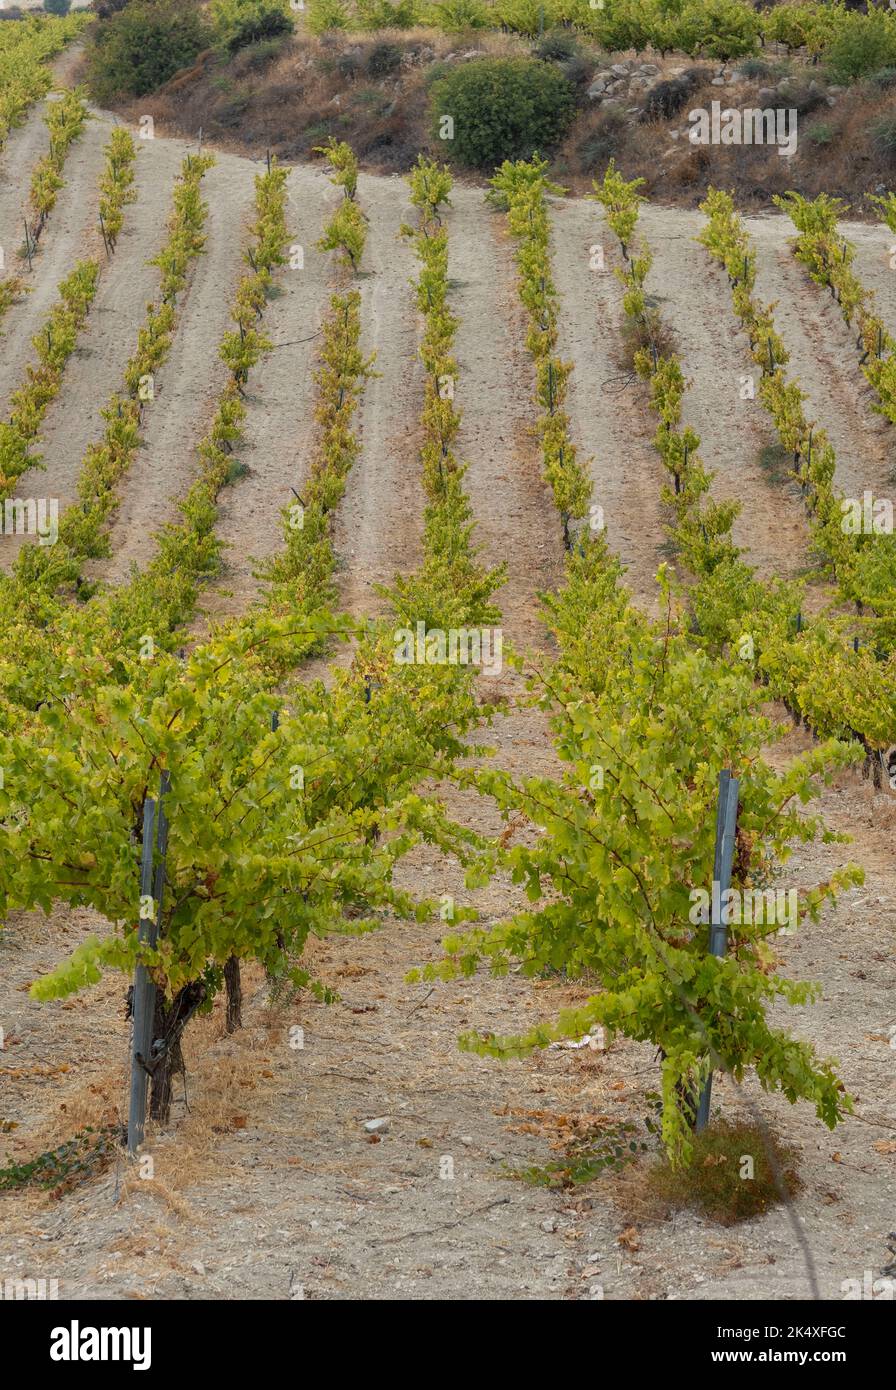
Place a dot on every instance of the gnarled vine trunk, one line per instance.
(169, 1022)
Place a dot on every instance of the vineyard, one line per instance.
(391, 571)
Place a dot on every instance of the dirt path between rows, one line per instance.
(189, 384)
(695, 301)
(95, 369)
(379, 527)
(822, 361)
(23, 148)
(280, 430)
(609, 423)
(71, 234)
(516, 520)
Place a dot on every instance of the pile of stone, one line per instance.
(623, 79)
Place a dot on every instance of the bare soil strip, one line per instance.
(516, 520)
(822, 360)
(23, 147)
(608, 421)
(378, 530)
(71, 234)
(280, 427)
(874, 264)
(94, 371)
(188, 386)
(696, 303)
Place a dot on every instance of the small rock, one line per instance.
(648, 69)
(639, 84)
(620, 69)
(718, 82)
(198, 1266)
(766, 95)
(466, 1140)
(831, 101)
(549, 1225)
(380, 1126)
(674, 135)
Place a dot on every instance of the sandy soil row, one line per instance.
(23, 147)
(822, 360)
(873, 264)
(94, 371)
(609, 424)
(696, 303)
(280, 428)
(517, 522)
(378, 531)
(71, 234)
(190, 382)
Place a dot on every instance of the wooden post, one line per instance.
(723, 861)
(152, 880)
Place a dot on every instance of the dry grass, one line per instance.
(732, 1178)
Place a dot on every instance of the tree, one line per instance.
(140, 48)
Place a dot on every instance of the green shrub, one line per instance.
(384, 14)
(714, 1184)
(57, 7)
(757, 68)
(325, 15)
(347, 64)
(454, 16)
(801, 97)
(521, 16)
(721, 29)
(140, 48)
(383, 59)
(258, 55)
(559, 46)
(884, 79)
(502, 108)
(239, 23)
(883, 136)
(579, 70)
(822, 133)
(864, 43)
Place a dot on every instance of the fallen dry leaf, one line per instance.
(629, 1240)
